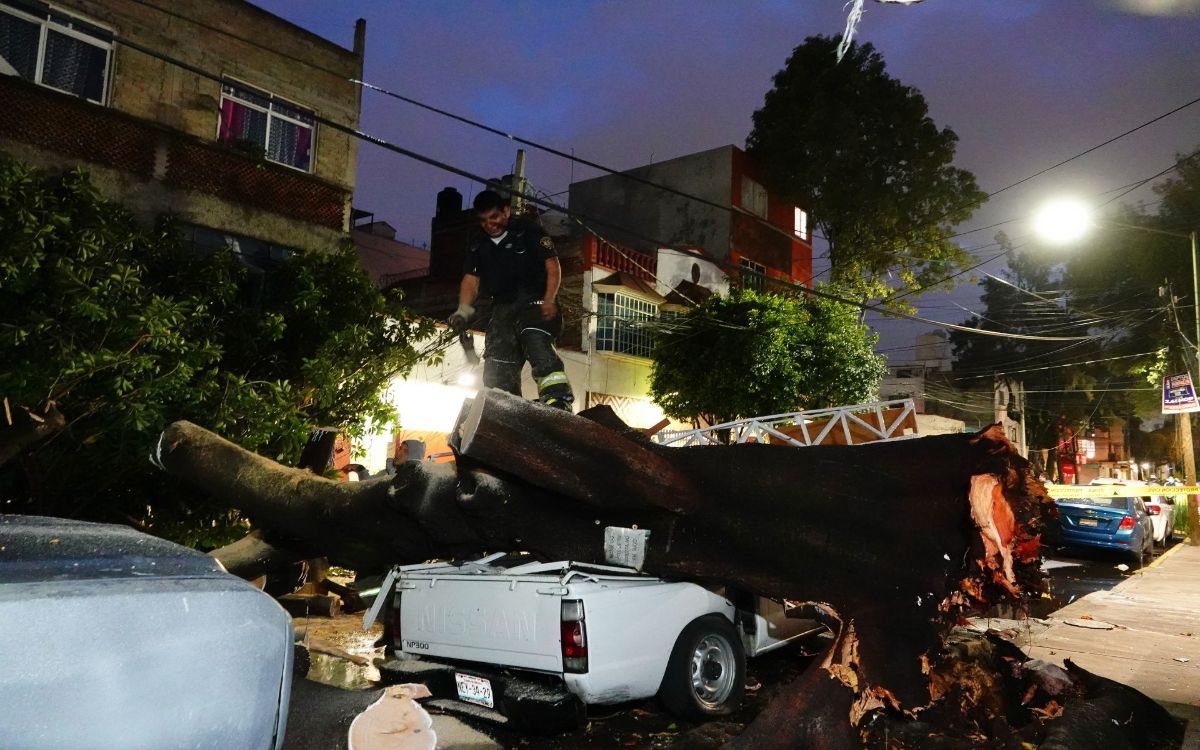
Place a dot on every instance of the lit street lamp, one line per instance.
(1067, 220)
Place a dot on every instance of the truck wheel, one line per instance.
(706, 674)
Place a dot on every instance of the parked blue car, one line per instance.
(1121, 524)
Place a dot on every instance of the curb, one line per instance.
(1167, 554)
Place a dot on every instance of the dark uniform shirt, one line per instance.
(516, 267)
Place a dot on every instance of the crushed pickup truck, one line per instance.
(536, 642)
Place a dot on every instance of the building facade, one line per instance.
(738, 223)
(205, 109)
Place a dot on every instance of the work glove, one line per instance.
(459, 318)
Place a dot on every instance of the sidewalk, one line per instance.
(1154, 644)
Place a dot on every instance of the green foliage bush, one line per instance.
(127, 329)
(755, 353)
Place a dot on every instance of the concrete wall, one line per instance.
(669, 219)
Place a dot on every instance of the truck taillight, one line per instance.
(574, 637)
(1126, 524)
(1153, 510)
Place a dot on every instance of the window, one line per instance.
(57, 50)
(282, 130)
(753, 275)
(801, 228)
(621, 325)
(754, 197)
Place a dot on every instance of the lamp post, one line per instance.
(1064, 221)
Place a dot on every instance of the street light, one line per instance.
(1066, 220)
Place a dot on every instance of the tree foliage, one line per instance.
(753, 353)
(1027, 300)
(859, 149)
(127, 329)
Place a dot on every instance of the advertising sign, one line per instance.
(1178, 394)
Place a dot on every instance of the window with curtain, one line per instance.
(54, 49)
(623, 324)
(281, 129)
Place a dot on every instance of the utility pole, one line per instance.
(1189, 470)
(1185, 419)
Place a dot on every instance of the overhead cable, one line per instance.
(356, 133)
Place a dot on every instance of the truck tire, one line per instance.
(706, 674)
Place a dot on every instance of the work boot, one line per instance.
(555, 402)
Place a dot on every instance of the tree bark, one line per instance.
(253, 556)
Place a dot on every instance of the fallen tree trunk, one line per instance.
(254, 555)
(896, 539)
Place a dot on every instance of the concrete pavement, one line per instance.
(1153, 643)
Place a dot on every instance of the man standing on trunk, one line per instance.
(516, 264)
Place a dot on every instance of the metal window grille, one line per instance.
(623, 324)
(54, 49)
(281, 129)
(753, 275)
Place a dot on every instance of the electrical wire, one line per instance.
(625, 174)
(609, 170)
(416, 156)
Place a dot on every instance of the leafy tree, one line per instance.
(858, 147)
(753, 353)
(127, 329)
(1142, 281)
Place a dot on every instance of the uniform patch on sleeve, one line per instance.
(547, 243)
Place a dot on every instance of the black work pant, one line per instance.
(517, 334)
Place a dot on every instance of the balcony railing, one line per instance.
(841, 425)
(600, 253)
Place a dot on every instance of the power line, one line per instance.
(1098, 146)
(1075, 364)
(731, 209)
(356, 133)
(626, 174)
(1130, 188)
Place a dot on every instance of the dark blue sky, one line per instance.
(1024, 83)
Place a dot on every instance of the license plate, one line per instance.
(1089, 522)
(474, 689)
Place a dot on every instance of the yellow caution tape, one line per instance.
(1065, 491)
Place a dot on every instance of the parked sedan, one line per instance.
(1121, 524)
(1162, 516)
(116, 640)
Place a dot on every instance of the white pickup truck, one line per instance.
(530, 639)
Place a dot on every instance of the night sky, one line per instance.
(1024, 84)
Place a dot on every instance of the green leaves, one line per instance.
(753, 354)
(129, 329)
(858, 148)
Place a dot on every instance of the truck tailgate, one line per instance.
(494, 619)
